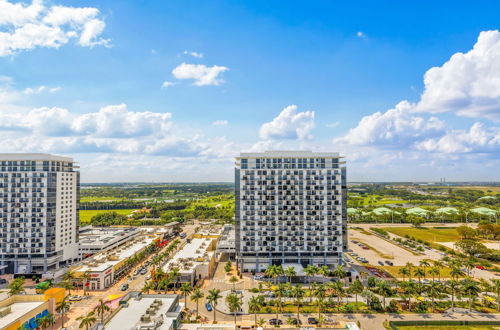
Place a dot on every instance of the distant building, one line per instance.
(39, 198)
(290, 209)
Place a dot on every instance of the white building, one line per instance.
(100, 239)
(141, 311)
(290, 209)
(39, 197)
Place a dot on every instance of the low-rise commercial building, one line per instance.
(106, 268)
(226, 244)
(25, 311)
(195, 261)
(140, 311)
(94, 240)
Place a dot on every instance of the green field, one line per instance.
(426, 234)
(87, 199)
(394, 271)
(86, 215)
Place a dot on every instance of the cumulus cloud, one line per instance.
(289, 124)
(41, 89)
(201, 74)
(167, 84)
(398, 127)
(468, 84)
(478, 138)
(193, 54)
(220, 123)
(25, 27)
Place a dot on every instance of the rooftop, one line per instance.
(289, 153)
(102, 235)
(18, 309)
(134, 315)
(191, 255)
(34, 156)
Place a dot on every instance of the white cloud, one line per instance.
(25, 27)
(41, 89)
(468, 84)
(333, 125)
(193, 54)
(167, 84)
(479, 139)
(396, 127)
(289, 124)
(201, 74)
(360, 34)
(220, 123)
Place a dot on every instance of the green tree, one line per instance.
(101, 309)
(196, 296)
(186, 289)
(384, 290)
(228, 266)
(213, 298)
(339, 272)
(453, 287)
(234, 304)
(496, 289)
(471, 290)
(254, 306)
(233, 280)
(16, 286)
(356, 288)
(290, 272)
(87, 320)
(62, 307)
(297, 294)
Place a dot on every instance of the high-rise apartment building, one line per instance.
(39, 201)
(290, 209)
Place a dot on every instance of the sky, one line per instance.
(172, 91)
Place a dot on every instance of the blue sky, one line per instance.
(173, 90)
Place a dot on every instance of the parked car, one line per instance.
(148, 277)
(3, 281)
(208, 307)
(183, 235)
(275, 322)
(143, 271)
(478, 267)
(355, 242)
(75, 298)
(124, 287)
(364, 261)
(354, 254)
(390, 263)
(366, 248)
(312, 320)
(380, 263)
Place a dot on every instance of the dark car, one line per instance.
(275, 322)
(312, 320)
(124, 287)
(208, 307)
(380, 263)
(3, 281)
(390, 263)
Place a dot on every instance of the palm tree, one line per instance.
(496, 288)
(290, 272)
(87, 320)
(85, 280)
(453, 285)
(69, 276)
(339, 272)
(356, 288)
(254, 306)
(383, 289)
(456, 273)
(16, 286)
(196, 296)
(320, 303)
(148, 286)
(233, 280)
(433, 291)
(310, 271)
(62, 308)
(234, 303)
(419, 272)
(68, 285)
(323, 270)
(298, 294)
(212, 298)
(424, 263)
(45, 321)
(261, 322)
(404, 271)
(470, 289)
(186, 289)
(164, 284)
(174, 273)
(438, 264)
(410, 266)
(101, 309)
(434, 271)
(469, 265)
(338, 289)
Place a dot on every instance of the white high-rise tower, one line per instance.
(39, 201)
(290, 209)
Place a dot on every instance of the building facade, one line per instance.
(290, 209)
(39, 200)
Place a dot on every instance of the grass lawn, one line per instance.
(86, 215)
(426, 234)
(98, 199)
(450, 327)
(394, 271)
